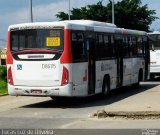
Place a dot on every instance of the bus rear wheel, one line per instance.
(106, 86)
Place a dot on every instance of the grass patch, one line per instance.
(3, 87)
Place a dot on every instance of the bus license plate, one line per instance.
(36, 91)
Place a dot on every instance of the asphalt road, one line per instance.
(74, 113)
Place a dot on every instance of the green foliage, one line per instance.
(129, 14)
(3, 87)
(62, 16)
(93, 12)
(3, 80)
(3, 73)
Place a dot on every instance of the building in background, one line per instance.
(3, 56)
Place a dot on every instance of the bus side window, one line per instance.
(133, 45)
(119, 44)
(100, 46)
(112, 46)
(130, 46)
(145, 44)
(125, 46)
(140, 46)
(74, 46)
(97, 48)
(79, 49)
(106, 46)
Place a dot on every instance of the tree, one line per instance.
(95, 12)
(129, 14)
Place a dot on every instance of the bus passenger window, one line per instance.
(125, 46)
(140, 45)
(112, 46)
(106, 44)
(145, 44)
(79, 49)
(134, 46)
(101, 46)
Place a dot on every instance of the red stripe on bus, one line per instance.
(9, 55)
(67, 53)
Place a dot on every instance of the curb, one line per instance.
(128, 114)
(2, 95)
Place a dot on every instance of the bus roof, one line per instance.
(77, 25)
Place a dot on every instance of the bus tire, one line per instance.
(106, 86)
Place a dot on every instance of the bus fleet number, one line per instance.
(48, 66)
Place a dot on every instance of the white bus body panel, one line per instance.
(32, 77)
(106, 67)
(32, 73)
(131, 67)
(137, 64)
(80, 85)
(155, 61)
(127, 73)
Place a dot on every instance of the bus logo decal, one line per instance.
(19, 66)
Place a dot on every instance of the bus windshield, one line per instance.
(37, 39)
(155, 42)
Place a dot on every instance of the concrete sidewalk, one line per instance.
(128, 109)
(142, 104)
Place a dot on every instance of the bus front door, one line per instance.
(91, 65)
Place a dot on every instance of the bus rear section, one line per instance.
(36, 62)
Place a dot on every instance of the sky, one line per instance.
(17, 11)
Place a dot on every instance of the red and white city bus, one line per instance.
(74, 58)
